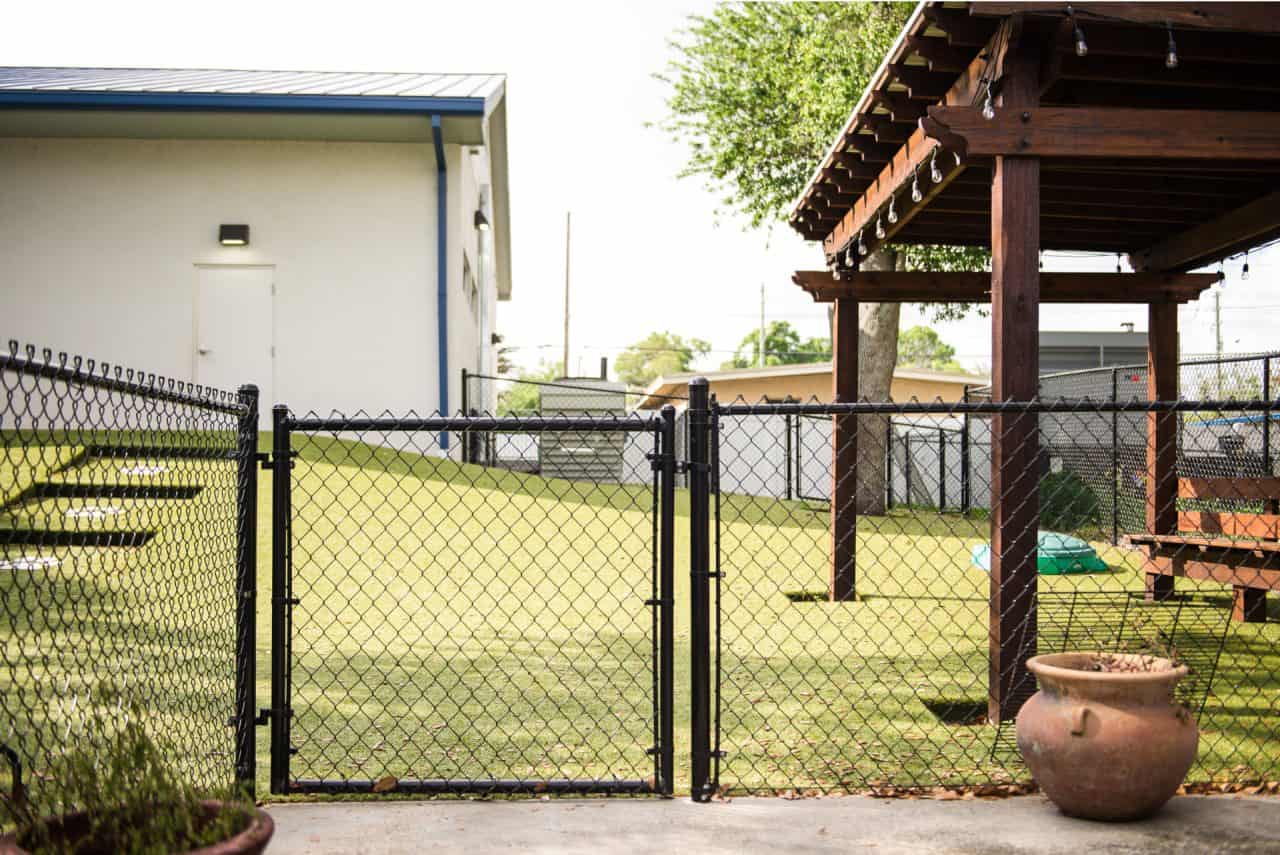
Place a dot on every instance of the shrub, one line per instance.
(1067, 503)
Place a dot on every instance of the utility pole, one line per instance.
(564, 365)
(1217, 330)
(760, 349)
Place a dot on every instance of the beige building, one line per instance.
(807, 382)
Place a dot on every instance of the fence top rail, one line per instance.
(1062, 405)
(498, 424)
(116, 378)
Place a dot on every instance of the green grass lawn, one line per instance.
(457, 622)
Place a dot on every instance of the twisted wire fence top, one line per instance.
(118, 497)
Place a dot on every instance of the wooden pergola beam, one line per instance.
(1250, 17)
(1106, 132)
(1246, 226)
(933, 287)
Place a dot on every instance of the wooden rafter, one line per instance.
(933, 287)
(1245, 226)
(1102, 132)
(1250, 17)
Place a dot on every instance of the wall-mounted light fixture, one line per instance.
(233, 235)
(481, 221)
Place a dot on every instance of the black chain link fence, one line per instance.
(452, 627)
(851, 661)
(122, 505)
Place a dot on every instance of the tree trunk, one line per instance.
(877, 355)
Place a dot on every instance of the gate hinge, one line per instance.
(658, 462)
(657, 602)
(652, 750)
(288, 601)
(264, 717)
(684, 467)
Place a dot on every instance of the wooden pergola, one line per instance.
(1145, 129)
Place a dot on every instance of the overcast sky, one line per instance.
(648, 252)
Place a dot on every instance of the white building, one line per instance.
(377, 214)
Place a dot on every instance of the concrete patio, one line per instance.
(1188, 824)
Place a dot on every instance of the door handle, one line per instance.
(204, 351)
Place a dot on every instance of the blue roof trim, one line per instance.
(227, 101)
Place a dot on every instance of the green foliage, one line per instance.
(524, 398)
(758, 91)
(657, 354)
(782, 346)
(921, 347)
(134, 799)
(1067, 503)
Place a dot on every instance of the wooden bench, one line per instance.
(1236, 548)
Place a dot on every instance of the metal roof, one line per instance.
(191, 87)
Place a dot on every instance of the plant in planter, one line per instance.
(116, 792)
(1104, 737)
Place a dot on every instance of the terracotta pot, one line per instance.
(1106, 745)
(72, 826)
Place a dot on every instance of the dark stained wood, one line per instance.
(887, 131)
(1248, 605)
(870, 150)
(1108, 39)
(1015, 351)
(900, 106)
(1224, 566)
(962, 29)
(961, 287)
(1247, 225)
(1231, 524)
(1103, 132)
(842, 584)
(1257, 548)
(940, 55)
(1250, 17)
(1162, 434)
(1141, 71)
(921, 83)
(1244, 489)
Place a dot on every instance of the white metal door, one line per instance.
(233, 330)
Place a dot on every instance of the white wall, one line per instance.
(100, 238)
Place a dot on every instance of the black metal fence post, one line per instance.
(281, 597)
(246, 589)
(888, 463)
(666, 594)
(908, 466)
(942, 470)
(966, 493)
(699, 593)
(1115, 459)
(786, 420)
(1267, 415)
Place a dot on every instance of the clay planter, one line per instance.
(1105, 744)
(250, 841)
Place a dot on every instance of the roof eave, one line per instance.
(247, 102)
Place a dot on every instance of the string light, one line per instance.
(1117, 262)
(916, 195)
(862, 247)
(893, 213)
(1244, 271)
(1171, 57)
(988, 106)
(935, 174)
(879, 229)
(849, 260)
(1082, 49)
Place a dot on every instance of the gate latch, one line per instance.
(264, 717)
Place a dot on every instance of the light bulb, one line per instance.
(935, 174)
(1082, 49)
(862, 247)
(893, 213)
(879, 229)
(916, 195)
(1171, 58)
(849, 259)
(988, 108)
(1244, 271)
(1117, 262)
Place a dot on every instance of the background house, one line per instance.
(377, 213)
(805, 382)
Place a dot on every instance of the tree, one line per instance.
(757, 92)
(782, 346)
(657, 354)
(524, 398)
(921, 347)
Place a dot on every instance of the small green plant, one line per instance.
(1067, 503)
(129, 795)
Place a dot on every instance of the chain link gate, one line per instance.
(440, 627)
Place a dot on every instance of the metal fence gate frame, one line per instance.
(280, 715)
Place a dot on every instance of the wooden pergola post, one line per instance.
(1162, 434)
(1015, 349)
(844, 452)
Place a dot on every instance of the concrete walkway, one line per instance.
(1188, 824)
